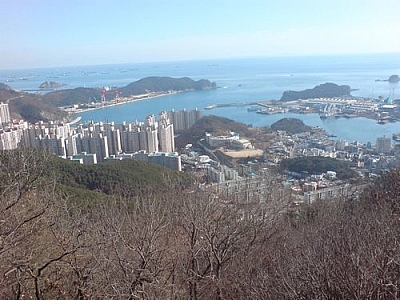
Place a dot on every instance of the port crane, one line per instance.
(104, 92)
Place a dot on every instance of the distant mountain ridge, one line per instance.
(326, 90)
(143, 86)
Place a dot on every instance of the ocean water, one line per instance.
(239, 81)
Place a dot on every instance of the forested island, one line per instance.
(326, 90)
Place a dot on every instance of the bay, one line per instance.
(239, 81)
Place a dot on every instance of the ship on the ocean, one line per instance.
(396, 137)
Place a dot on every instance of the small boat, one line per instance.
(396, 137)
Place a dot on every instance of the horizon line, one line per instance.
(248, 57)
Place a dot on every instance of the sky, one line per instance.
(53, 33)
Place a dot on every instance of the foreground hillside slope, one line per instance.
(129, 178)
(187, 244)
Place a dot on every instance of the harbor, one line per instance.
(327, 108)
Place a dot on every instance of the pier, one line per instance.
(236, 104)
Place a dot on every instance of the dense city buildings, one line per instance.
(184, 119)
(152, 140)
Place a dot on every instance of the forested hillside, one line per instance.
(325, 90)
(181, 243)
(318, 165)
(165, 84)
(215, 125)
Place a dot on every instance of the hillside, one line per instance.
(319, 165)
(143, 86)
(165, 84)
(51, 85)
(69, 97)
(4, 86)
(29, 107)
(212, 124)
(128, 177)
(290, 125)
(63, 237)
(326, 90)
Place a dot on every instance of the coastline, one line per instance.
(76, 111)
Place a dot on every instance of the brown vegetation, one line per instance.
(191, 245)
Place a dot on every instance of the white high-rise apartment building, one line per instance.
(10, 139)
(4, 113)
(166, 133)
(152, 140)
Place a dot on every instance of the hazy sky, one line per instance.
(46, 33)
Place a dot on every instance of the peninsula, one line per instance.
(146, 86)
(44, 107)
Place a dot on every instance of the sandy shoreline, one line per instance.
(121, 101)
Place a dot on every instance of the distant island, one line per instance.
(391, 79)
(51, 85)
(394, 79)
(326, 90)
